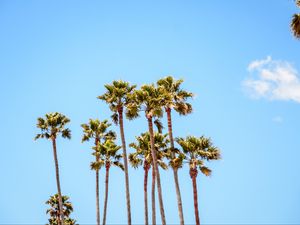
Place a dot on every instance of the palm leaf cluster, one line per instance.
(54, 210)
(295, 23)
(152, 150)
(52, 125)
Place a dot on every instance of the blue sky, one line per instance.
(238, 57)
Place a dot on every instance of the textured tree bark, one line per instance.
(146, 170)
(175, 170)
(61, 218)
(97, 198)
(153, 196)
(107, 166)
(159, 190)
(193, 174)
(97, 187)
(120, 113)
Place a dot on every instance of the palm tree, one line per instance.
(54, 211)
(116, 97)
(295, 23)
(197, 150)
(148, 99)
(142, 156)
(108, 156)
(97, 131)
(175, 98)
(51, 126)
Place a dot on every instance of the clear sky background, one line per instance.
(238, 57)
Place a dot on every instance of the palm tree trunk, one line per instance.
(175, 170)
(97, 188)
(146, 169)
(120, 113)
(107, 166)
(97, 198)
(61, 218)
(193, 174)
(153, 197)
(159, 190)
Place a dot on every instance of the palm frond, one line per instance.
(52, 125)
(115, 118)
(97, 165)
(66, 133)
(159, 125)
(295, 25)
(205, 170)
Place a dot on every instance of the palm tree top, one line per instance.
(54, 204)
(174, 96)
(116, 94)
(53, 211)
(107, 153)
(97, 130)
(198, 149)
(295, 23)
(199, 146)
(52, 125)
(148, 99)
(143, 149)
(170, 83)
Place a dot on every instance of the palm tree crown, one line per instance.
(147, 99)
(108, 154)
(143, 150)
(295, 23)
(173, 96)
(53, 211)
(116, 96)
(97, 130)
(52, 125)
(197, 150)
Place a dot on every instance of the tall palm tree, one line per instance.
(108, 156)
(51, 126)
(143, 156)
(196, 151)
(116, 96)
(97, 131)
(148, 99)
(54, 211)
(295, 23)
(175, 98)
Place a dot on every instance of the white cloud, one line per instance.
(273, 79)
(258, 63)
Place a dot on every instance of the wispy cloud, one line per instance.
(272, 79)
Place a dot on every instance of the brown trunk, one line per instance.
(193, 174)
(159, 190)
(175, 170)
(120, 112)
(97, 186)
(146, 169)
(61, 218)
(107, 166)
(153, 197)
